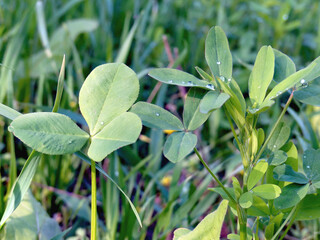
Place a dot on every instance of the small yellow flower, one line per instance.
(166, 181)
(169, 131)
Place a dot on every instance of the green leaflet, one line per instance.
(261, 75)
(121, 131)
(108, 91)
(217, 53)
(287, 174)
(177, 77)
(309, 95)
(267, 191)
(291, 195)
(257, 173)
(279, 137)
(309, 208)
(179, 145)
(212, 101)
(29, 221)
(50, 133)
(154, 116)
(277, 157)
(283, 66)
(208, 229)
(246, 200)
(192, 117)
(311, 164)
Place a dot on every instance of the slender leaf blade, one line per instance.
(212, 101)
(257, 173)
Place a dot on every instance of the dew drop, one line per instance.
(70, 141)
(229, 79)
(303, 81)
(274, 146)
(101, 123)
(259, 87)
(210, 86)
(308, 166)
(190, 83)
(218, 63)
(157, 114)
(116, 173)
(11, 129)
(222, 78)
(183, 82)
(170, 81)
(285, 17)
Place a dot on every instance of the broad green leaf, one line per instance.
(257, 173)
(311, 164)
(21, 185)
(30, 221)
(212, 101)
(192, 117)
(121, 131)
(261, 75)
(309, 208)
(259, 208)
(217, 53)
(88, 160)
(246, 200)
(50, 133)
(267, 191)
(177, 77)
(291, 195)
(299, 78)
(108, 91)
(209, 228)
(279, 137)
(310, 94)
(178, 145)
(8, 112)
(283, 67)
(154, 116)
(180, 232)
(277, 157)
(287, 174)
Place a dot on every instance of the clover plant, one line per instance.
(272, 192)
(106, 95)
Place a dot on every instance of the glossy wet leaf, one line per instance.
(212, 101)
(257, 173)
(267, 191)
(50, 133)
(192, 117)
(310, 94)
(291, 195)
(309, 208)
(121, 131)
(178, 145)
(261, 75)
(209, 228)
(217, 53)
(177, 77)
(277, 157)
(279, 137)
(30, 221)
(283, 67)
(246, 200)
(21, 185)
(287, 174)
(108, 91)
(311, 164)
(154, 116)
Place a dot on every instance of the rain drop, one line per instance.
(308, 166)
(274, 146)
(116, 173)
(170, 81)
(229, 79)
(183, 82)
(70, 141)
(101, 123)
(157, 114)
(222, 78)
(285, 17)
(190, 83)
(303, 81)
(218, 63)
(210, 86)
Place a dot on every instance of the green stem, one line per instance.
(242, 218)
(284, 223)
(215, 177)
(93, 201)
(273, 129)
(290, 224)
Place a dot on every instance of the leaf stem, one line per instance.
(214, 176)
(93, 201)
(273, 129)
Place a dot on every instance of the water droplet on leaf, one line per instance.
(157, 114)
(190, 83)
(170, 81)
(210, 86)
(218, 63)
(101, 123)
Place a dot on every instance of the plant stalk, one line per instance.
(285, 222)
(214, 176)
(273, 129)
(93, 201)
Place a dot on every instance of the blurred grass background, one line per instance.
(34, 35)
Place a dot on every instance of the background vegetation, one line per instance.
(34, 36)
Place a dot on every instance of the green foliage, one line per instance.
(257, 173)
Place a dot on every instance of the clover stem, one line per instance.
(93, 201)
